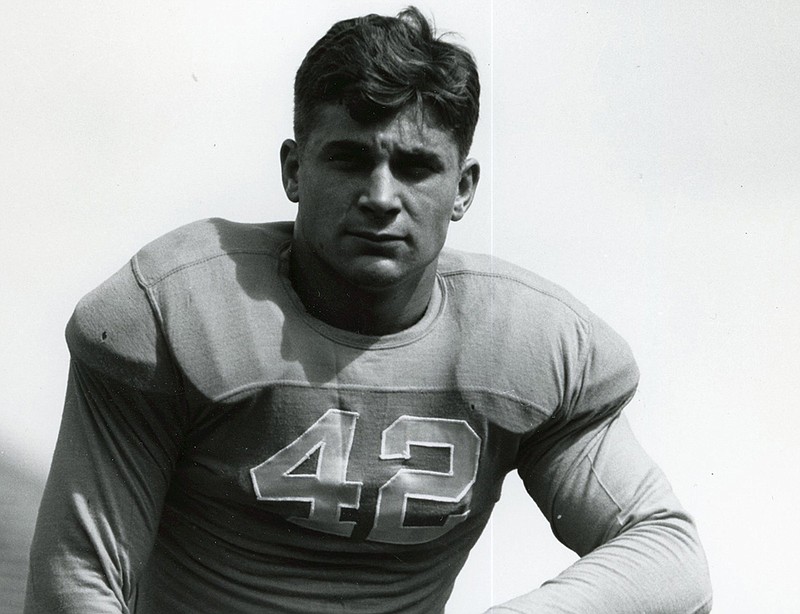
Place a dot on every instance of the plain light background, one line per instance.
(646, 157)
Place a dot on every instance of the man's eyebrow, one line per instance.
(414, 152)
(427, 155)
(345, 144)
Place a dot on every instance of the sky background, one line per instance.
(643, 156)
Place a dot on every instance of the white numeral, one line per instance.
(327, 490)
(464, 448)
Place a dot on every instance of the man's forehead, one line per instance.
(413, 127)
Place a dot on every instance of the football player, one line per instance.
(318, 416)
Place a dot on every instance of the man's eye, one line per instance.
(416, 171)
(348, 161)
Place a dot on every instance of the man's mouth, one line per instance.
(376, 237)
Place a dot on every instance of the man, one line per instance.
(318, 416)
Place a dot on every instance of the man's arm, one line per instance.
(119, 439)
(608, 501)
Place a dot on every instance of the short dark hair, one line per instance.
(376, 65)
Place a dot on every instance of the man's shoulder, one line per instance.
(117, 329)
(205, 240)
(486, 275)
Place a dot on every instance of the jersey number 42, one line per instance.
(327, 490)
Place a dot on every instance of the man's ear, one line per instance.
(290, 167)
(470, 174)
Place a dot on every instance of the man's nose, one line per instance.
(382, 194)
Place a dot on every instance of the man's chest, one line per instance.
(377, 465)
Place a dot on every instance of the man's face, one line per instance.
(375, 201)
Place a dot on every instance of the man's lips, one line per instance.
(376, 237)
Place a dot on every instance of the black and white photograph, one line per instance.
(388, 307)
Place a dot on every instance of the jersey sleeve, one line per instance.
(118, 442)
(607, 501)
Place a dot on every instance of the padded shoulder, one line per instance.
(114, 332)
(205, 240)
(517, 280)
(116, 329)
(555, 338)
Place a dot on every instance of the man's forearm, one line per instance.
(655, 567)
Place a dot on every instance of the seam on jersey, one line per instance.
(159, 321)
(587, 321)
(517, 281)
(362, 387)
(147, 289)
(600, 482)
(704, 607)
(193, 263)
(591, 447)
(583, 360)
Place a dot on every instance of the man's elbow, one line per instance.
(702, 591)
(690, 566)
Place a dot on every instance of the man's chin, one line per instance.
(376, 274)
(375, 281)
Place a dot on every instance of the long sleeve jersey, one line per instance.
(221, 450)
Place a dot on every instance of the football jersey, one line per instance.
(222, 450)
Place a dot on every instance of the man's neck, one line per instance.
(381, 311)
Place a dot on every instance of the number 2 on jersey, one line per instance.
(328, 491)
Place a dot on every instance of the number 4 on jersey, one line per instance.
(327, 490)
